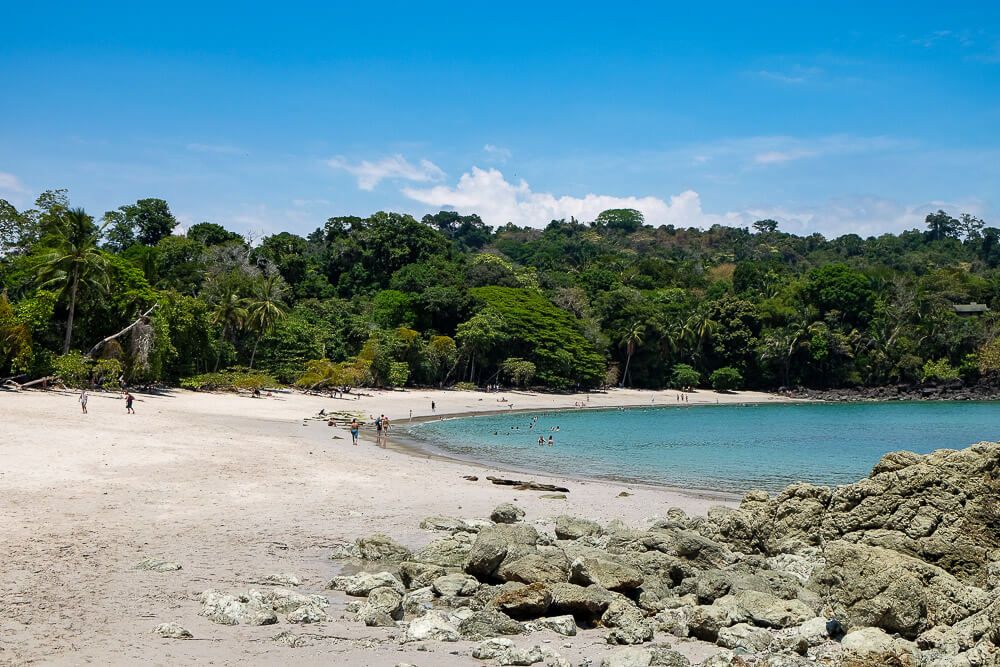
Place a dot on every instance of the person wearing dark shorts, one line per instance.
(129, 398)
(354, 431)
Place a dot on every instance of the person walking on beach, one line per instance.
(433, 406)
(83, 401)
(378, 430)
(128, 403)
(354, 431)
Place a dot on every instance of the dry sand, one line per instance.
(235, 489)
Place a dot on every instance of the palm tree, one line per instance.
(631, 339)
(230, 313)
(701, 328)
(266, 308)
(73, 261)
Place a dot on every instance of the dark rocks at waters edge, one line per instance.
(954, 391)
(899, 569)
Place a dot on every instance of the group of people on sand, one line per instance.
(84, 398)
(382, 426)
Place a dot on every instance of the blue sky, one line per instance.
(831, 117)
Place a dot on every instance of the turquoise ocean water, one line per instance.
(724, 448)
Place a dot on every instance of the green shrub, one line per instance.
(106, 373)
(938, 371)
(399, 373)
(231, 379)
(466, 386)
(685, 376)
(726, 378)
(73, 368)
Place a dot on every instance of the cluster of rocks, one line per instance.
(902, 568)
(953, 391)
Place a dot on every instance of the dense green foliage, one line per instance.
(390, 300)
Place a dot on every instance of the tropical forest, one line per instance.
(389, 300)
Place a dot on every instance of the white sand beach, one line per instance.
(234, 489)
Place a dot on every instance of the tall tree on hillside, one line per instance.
(73, 261)
(266, 308)
(631, 340)
(940, 225)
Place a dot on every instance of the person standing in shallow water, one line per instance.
(83, 401)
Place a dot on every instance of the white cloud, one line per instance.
(370, 174)
(497, 153)
(488, 193)
(11, 184)
(796, 75)
(497, 201)
(776, 157)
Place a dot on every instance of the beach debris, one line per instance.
(553, 496)
(172, 631)
(520, 485)
(471, 478)
(156, 565)
(624, 494)
(506, 513)
(290, 639)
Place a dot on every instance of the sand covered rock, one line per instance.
(573, 528)
(629, 625)
(363, 583)
(226, 609)
(418, 575)
(172, 631)
(380, 547)
(382, 609)
(489, 623)
(434, 625)
(157, 565)
(452, 585)
(537, 567)
(446, 552)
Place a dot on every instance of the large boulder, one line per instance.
(445, 552)
(452, 585)
(524, 602)
(537, 567)
(434, 625)
(418, 575)
(489, 623)
(870, 586)
(628, 624)
(447, 524)
(872, 646)
(492, 544)
(769, 611)
(604, 573)
(380, 547)
(585, 604)
(382, 609)
(744, 637)
(940, 507)
(573, 528)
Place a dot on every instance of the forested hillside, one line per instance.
(389, 300)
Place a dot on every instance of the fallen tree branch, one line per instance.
(139, 320)
(527, 486)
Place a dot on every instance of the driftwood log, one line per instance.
(527, 486)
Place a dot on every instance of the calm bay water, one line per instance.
(724, 448)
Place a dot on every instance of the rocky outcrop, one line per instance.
(942, 508)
